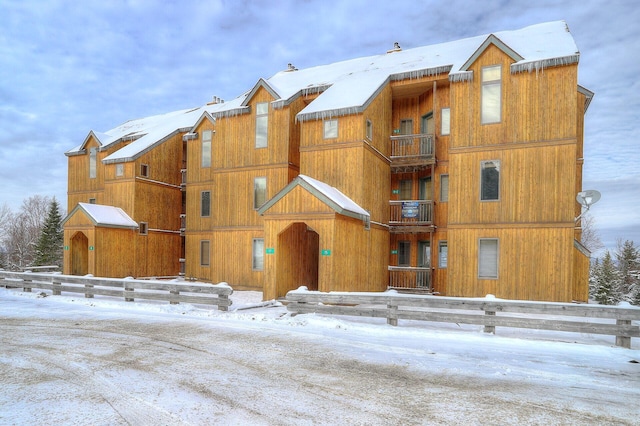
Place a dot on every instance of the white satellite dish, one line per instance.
(586, 199)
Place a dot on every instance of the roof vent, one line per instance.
(216, 100)
(291, 67)
(396, 48)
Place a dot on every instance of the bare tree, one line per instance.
(21, 231)
(590, 236)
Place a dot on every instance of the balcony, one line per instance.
(410, 278)
(411, 216)
(410, 153)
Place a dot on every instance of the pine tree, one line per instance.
(49, 246)
(607, 282)
(628, 259)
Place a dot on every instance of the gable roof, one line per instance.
(347, 87)
(329, 195)
(104, 216)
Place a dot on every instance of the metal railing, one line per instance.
(410, 278)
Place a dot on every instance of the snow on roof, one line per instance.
(107, 216)
(326, 193)
(346, 87)
(354, 82)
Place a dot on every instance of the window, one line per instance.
(406, 189)
(144, 170)
(491, 94)
(206, 148)
(93, 162)
(92, 200)
(204, 253)
(442, 254)
(369, 130)
(425, 188)
(490, 180)
(404, 253)
(205, 203)
(444, 188)
(406, 126)
(488, 258)
(258, 254)
(445, 125)
(144, 228)
(424, 254)
(331, 129)
(259, 192)
(262, 122)
(119, 169)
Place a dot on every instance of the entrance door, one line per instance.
(79, 254)
(298, 254)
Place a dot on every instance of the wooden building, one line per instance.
(450, 168)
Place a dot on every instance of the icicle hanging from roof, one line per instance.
(539, 65)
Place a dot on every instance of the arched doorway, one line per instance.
(298, 258)
(79, 254)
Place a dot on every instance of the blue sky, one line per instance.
(69, 67)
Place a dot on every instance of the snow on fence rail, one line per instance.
(489, 312)
(171, 291)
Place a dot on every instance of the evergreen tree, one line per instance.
(628, 259)
(49, 246)
(607, 282)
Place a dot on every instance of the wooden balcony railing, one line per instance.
(409, 278)
(412, 151)
(411, 212)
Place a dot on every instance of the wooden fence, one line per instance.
(489, 312)
(173, 292)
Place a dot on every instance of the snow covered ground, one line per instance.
(66, 360)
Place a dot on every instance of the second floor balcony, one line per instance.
(410, 153)
(411, 216)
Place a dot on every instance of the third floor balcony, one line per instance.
(410, 153)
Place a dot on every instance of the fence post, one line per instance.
(174, 292)
(223, 302)
(56, 283)
(25, 283)
(392, 313)
(87, 290)
(127, 290)
(623, 341)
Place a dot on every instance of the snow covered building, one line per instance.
(450, 168)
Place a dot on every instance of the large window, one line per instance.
(488, 258)
(424, 254)
(491, 94)
(262, 121)
(444, 188)
(443, 254)
(204, 253)
(331, 129)
(445, 125)
(258, 254)
(93, 162)
(206, 148)
(490, 180)
(404, 253)
(406, 189)
(259, 192)
(205, 203)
